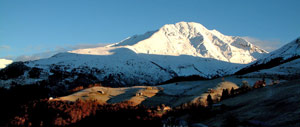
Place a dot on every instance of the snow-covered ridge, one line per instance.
(284, 59)
(287, 51)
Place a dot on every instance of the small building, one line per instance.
(259, 84)
(166, 108)
(210, 90)
(139, 94)
(101, 92)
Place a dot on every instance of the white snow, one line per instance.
(4, 63)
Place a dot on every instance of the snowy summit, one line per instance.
(190, 38)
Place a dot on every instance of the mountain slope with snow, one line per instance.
(122, 66)
(284, 60)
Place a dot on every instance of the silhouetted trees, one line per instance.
(243, 89)
(232, 92)
(34, 72)
(209, 100)
(12, 99)
(225, 94)
(185, 78)
(13, 70)
(85, 113)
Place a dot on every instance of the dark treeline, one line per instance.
(18, 95)
(186, 78)
(244, 88)
(85, 113)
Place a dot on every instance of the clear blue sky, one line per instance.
(32, 26)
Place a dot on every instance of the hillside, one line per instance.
(276, 105)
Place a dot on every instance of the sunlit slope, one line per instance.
(173, 94)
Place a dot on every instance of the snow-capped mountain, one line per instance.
(4, 63)
(190, 38)
(283, 61)
(181, 49)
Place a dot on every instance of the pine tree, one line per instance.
(209, 100)
(225, 94)
(232, 92)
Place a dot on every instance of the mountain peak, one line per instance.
(186, 25)
(188, 29)
(191, 38)
(190, 24)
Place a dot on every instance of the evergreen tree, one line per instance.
(225, 94)
(209, 100)
(232, 91)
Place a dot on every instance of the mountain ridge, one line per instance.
(288, 53)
